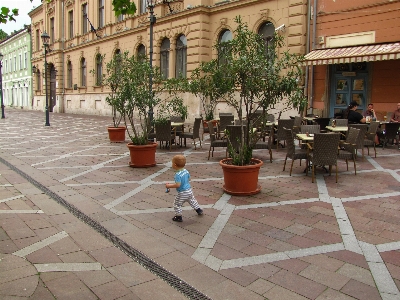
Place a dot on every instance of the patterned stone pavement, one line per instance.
(294, 240)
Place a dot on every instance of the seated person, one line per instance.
(370, 112)
(396, 114)
(354, 116)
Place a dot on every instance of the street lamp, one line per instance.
(150, 5)
(1, 86)
(46, 39)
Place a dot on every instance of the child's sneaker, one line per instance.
(199, 211)
(177, 219)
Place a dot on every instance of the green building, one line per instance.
(16, 70)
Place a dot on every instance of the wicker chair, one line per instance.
(224, 120)
(270, 118)
(322, 122)
(369, 140)
(268, 144)
(310, 129)
(342, 122)
(194, 134)
(361, 136)
(324, 151)
(163, 133)
(177, 119)
(214, 142)
(292, 152)
(280, 134)
(391, 131)
(348, 148)
(297, 124)
(206, 130)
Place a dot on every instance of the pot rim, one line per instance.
(257, 165)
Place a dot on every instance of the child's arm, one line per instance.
(173, 185)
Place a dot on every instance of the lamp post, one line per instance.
(150, 5)
(1, 86)
(46, 39)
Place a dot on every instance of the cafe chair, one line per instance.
(164, 134)
(214, 142)
(324, 152)
(280, 134)
(361, 136)
(390, 133)
(348, 148)
(342, 122)
(311, 129)
(292, 152)
(224, 120)
(297, 124)
(266, 144)
(178, 129)
(193, 133)
(270, 118)
(322, 122)
(369, 140)
(206, 129)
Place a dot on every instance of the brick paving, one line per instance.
(294, 240)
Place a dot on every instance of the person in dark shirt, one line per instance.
(354, 116)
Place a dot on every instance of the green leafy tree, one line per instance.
(3, 35)
(253, 75)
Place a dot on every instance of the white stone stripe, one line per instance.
(68, 267)
(379, 271)
(39, 245)
(93, 168)
(222, 201)
(11, 198)
(16, 211)
(271, 204)
(6, 185)
(367, 197)
(394, 174)
(388, 247)
(201, 254)
(153, 210)
(127, 195)
(216, 228)
(272, 257)
(374, 163)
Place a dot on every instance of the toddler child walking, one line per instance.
(182, 185)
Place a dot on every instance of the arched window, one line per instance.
(38, 85)
(224, 37)
(181, 57)
(83, 72)
(117, 59)
(69, 74)
(164, 57)
(141, 51)
(143, 6)
(267, 31)
(99, 69)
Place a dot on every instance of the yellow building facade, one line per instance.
(182, 39)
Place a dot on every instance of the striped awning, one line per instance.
(344, 55)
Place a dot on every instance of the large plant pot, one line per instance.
(142, 156)
(116, 134)
(205, 123)
(241, 180)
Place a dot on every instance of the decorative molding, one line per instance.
(139, 38)
(224, 21)
(100, 32)
(264, 13)
(68, 57)
(69, 3)
(116, 44)
(119, 27)
(143, 20)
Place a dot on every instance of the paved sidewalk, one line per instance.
(69, 203)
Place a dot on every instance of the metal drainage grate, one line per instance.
(135, 254)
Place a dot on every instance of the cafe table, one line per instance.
(337, 128)
(305, 137)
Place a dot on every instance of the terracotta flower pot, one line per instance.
(142, 156)
(205, 123)
(241, 180)
(116, 134)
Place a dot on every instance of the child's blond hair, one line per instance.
(179, 161)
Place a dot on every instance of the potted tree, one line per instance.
(115, 99)
(255, 77)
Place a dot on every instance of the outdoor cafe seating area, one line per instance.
(319, 142)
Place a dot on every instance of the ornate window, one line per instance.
(71, 24)
(181, 57)
(99, 70)
(38, 80)
(83, 72)
(69, 74)
(143, 6)
(52, 30)
(37, 40)
(164, 58)
(84, 19)
(267, 31)
(141, 51)
(101, 13)
(224, 37)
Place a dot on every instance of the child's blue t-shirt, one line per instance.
(182, 176)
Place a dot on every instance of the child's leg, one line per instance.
(179, 200)
(191, 199)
